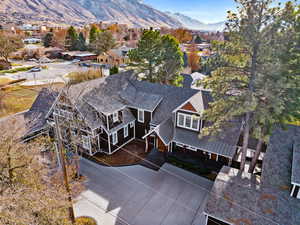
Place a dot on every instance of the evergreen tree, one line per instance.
(71, 40)
(114, 70)
(93, 33)
(279, 95)
(158, 58)
(47, 40)
(198, 40)
(104, 41)
(147, 56)
(172, 60)
(81, 42)
(244, 61)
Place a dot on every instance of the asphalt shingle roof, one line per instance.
(243, 198)
(35, 118)
(296, 163)
(224, 144)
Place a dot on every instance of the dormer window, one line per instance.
(115, 117)
(191, 122)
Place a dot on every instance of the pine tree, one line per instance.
(93, 33)
(172, 60)
(81, 42)
(103, 42)
(279, 95)
(71, 40)
(243, 60)
(47, 40)
(158, 58)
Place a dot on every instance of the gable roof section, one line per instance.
(120, 90)
(196, 103)
(188, 106)
(172, 97)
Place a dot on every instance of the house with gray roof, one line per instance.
(115, 110)
(270, 199)
(35, 117)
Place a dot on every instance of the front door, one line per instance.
(214, 157)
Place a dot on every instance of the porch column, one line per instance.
(293, 189)
(147, 145)
(229, 162)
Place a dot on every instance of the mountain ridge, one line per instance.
(135, 13)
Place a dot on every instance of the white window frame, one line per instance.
(131, 124)
(141, 120)
(86, 145)
(115, 117)
(184, 121)
(114, 138)
(126, 131)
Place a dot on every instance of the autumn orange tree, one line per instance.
(182, 35)
(194, 58)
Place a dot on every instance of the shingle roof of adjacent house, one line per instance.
(296, 163)
(243, 198)
(36, 116)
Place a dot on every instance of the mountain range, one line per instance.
(77, 12)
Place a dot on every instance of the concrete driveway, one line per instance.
(136, 195)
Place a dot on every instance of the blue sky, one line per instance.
(208, 11)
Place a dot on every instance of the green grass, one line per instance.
(15, 70)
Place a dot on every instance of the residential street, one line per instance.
(136, 195)
(53, 73)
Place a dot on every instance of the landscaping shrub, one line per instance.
(85, 221)
(15, 70)
(78, 77)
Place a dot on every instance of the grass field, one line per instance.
(17, 98)
(4, 81)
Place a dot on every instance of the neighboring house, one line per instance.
(243, 198)
(32, 40)
(115, 110)
(35, 117)
(115, 57)
(82, 56)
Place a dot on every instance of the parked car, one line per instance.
(34, 69)
(45, 60)
(85, 64)
(75, 61)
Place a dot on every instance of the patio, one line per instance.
(130, 154)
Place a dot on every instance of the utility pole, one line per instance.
(64, 169)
